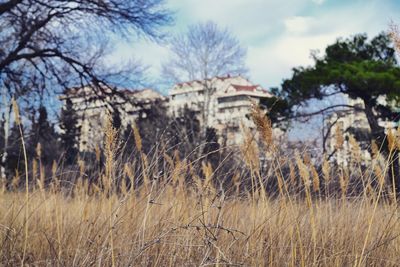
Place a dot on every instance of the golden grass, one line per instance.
(187, 228)
(170, 220)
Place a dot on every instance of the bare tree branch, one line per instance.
(203, 52)
(60, 43)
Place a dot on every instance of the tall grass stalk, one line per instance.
(381, 183)
(17, 119)
(111, 146)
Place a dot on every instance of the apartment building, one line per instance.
(93, 109)
(223, 103)
(352, 123)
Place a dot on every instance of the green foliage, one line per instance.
(71, 132)
(278, 107)
(354, 67)
(42, 131)
(157, 128)
(15, 159)
(211, 149)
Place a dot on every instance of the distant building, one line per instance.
(226, 107)
(93, 107)
(352, 123)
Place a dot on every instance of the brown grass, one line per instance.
(175, 221)
(185, 228)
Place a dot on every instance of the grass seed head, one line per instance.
(355, 149)
(264, 126)
(316, 182)
(250, 151)
(38, 150)
(375, 150)
(398, 138)
(138, 138)
(391, 137)
(339, 139)
(303, 170)
(394, 33)
(326, 169)
(16, 112)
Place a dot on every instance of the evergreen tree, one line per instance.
(211, 148)
(182, 132)
(152, 123)
(15, 159)
(71, 132)
(42, 131)
(354, 67)
(155, 127)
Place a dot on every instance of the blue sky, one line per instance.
(278, 34)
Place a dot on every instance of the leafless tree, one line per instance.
(50, 45)
(43, 42)
(201, 53)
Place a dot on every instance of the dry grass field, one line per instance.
(184, 218)
(174, 227)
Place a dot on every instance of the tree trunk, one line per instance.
(377, 132)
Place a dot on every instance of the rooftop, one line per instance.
(87, 91)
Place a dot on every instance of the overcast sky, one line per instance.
(278, 34)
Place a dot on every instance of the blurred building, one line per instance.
(226, 107)
(223, 103)
(93, 107)
(353, 123)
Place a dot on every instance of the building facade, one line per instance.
(352, 123)
(223, 103)
(94, 108)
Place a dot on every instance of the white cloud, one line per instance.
(279, 35)
(298, 24)
(318, 2)
(272, 61)
(248, 19)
